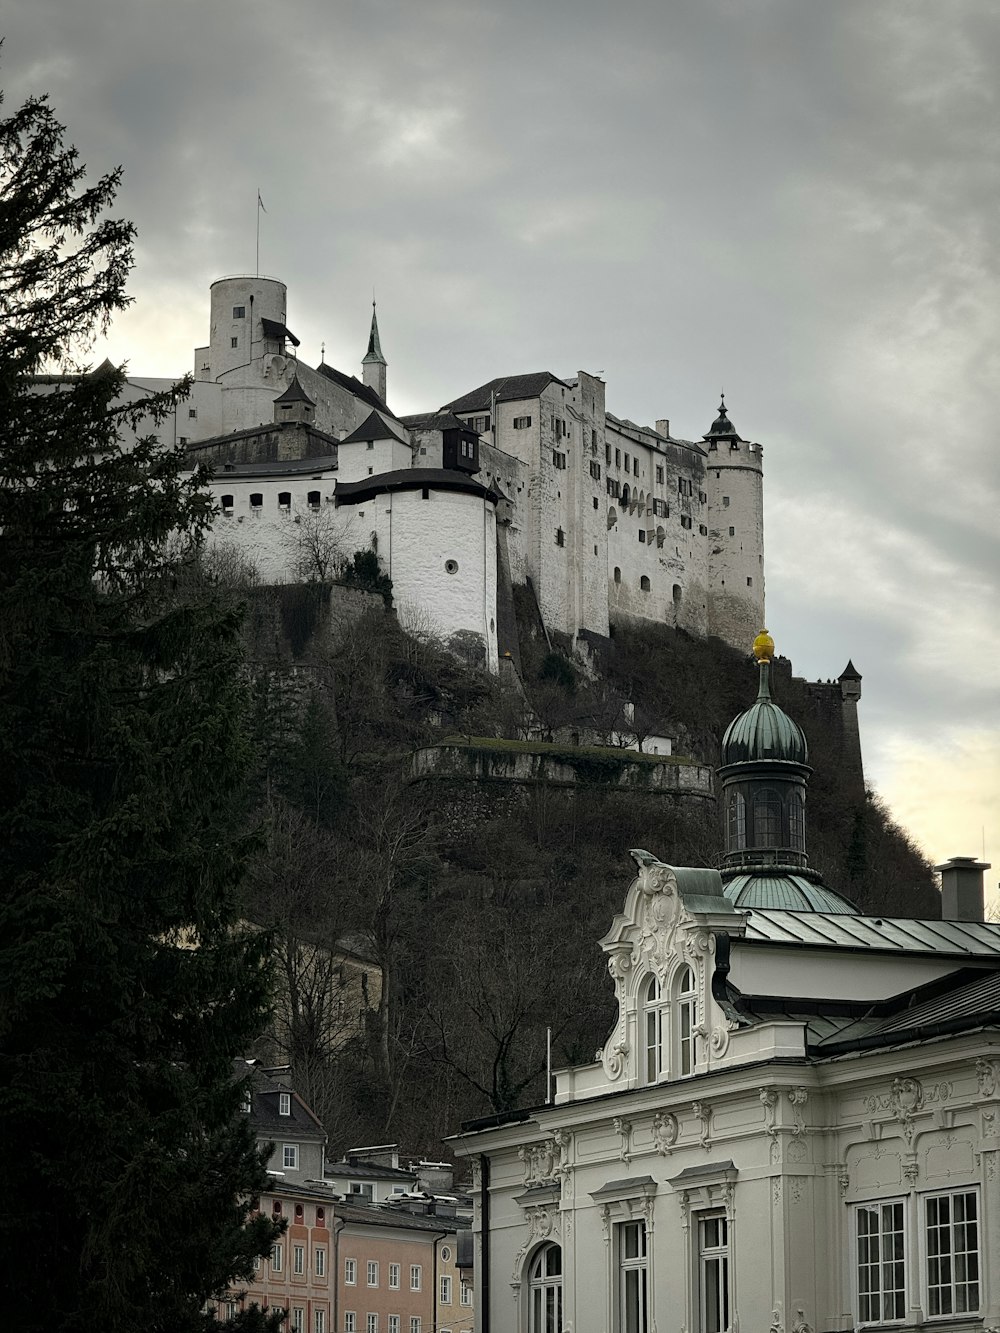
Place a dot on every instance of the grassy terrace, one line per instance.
(562, 753)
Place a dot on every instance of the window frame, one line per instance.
(544, 1286)
(371, 1273)
(925, 1199)
(444, 1289)
(416, 1272)
(718, 1257)
(625, 1265)
(395, 1275)
(685, 999)
(319, 1260)
(298, 1260)
(289, 1156)
(857, 1209)
(350, 1272)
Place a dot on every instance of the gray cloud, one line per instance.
(795, 201)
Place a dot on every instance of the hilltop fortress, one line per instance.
(526, 479)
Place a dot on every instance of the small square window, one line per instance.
(234, 342)
(239, 312)
(192, 413)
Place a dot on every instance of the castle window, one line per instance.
(725, 502)
(702, 498)
(644, 583)
(614, 487)
(618, 458)
(654, 1028)
(687, 1004)
(685, 520)
(677, 593)
(596, 505)
(628, 463)
(313, 499)
(661, 537)
(749, 582)
(642, 534)
(736, 822)
(239, 312)
(595, 470)
(703, 529)
(735, 444)
(192, 413)
(522, 423)
(234, 342)
(766, 819)
(369, 444)
(732, 532)
(617, 575)
(545, 1295)
(683, 486)
(626, 494)
(284, 500)
(607, 454)
(659, 474)
(560, 537)
(558, 460)
(469, 446)
(661, 508)
(256, 500)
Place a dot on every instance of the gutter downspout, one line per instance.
(434, 1287)
(338, 1226)
(483, 1290)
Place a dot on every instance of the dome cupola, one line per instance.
(764, 773)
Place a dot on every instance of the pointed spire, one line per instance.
(374, 353)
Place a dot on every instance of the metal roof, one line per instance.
(822, 930)
(785, 891)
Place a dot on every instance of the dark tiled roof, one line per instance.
(368, 1171)
(266, 428)
(411, 479)
(372, 428)
(273, 328)
(288, 467)
(435, 421)
(264, 1114)
(354, 386)
(377, 1215)
(850, 672)
(295, 394)
(503, 389)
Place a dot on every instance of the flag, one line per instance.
(260, 202)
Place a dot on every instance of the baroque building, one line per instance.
(527, 479)
(794, 1124)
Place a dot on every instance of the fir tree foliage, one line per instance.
(126, 986)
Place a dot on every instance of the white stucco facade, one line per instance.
(715, 1170)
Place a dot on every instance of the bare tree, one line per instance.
(318, 544)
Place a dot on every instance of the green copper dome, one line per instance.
(764, 731)
(785, 891)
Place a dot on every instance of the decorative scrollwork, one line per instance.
(703, 1112)
(665, 1131)
(624, 1129)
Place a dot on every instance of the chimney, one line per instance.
(962, 888)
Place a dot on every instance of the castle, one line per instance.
(527, 479)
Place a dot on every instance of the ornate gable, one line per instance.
(666, 931)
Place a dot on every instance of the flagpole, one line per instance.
(257, 210)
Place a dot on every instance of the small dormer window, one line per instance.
(284, 1103)
(247, 1102)
(687, 1008)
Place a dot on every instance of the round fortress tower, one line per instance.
(238, 333)
(734, 478)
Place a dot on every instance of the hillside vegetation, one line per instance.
(481, 904)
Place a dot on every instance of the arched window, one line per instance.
(767, 819)
(654, 1020)
(313, 499)
(626, 496)
(618, 575)
(737, 825)
(256, 500)
(227, 504)
(661, 537)
(545, 1291)
(687, 1020)
(284, 499)
(678, 593)
(797, 822)
(644, 583)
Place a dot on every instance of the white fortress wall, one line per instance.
(270, 534)
(736, 528)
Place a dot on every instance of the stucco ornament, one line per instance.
(988, 1077)
(542, 1162)
(769, 1101)
(543, 1223)
(703, 1112)
(907, 1097)
(659, 913)
(623, 1128)
(801, 1324)
(665, 1131)
(797, 1098)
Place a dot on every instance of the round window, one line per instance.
(451, 566)
(445, 1254)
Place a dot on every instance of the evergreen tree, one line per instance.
(126, 986)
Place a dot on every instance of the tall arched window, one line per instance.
(737, 815)
(687, 1020)
(654, 1021)
(797, 822)
(545, 1291)
(767, 819)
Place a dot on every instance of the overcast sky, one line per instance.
(796, 201)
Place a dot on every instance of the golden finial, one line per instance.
(763, 647)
